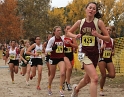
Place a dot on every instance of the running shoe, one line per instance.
(101, 93)
(68, 86)
(27, 83)
(38, 88)
(49, 91)
(74, 94)
(61, 93)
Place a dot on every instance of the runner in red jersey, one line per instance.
(88, 52)
(70, 44)
(56, 47)
(105, 62)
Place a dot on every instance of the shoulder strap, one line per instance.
(82, 22)
(96, 24)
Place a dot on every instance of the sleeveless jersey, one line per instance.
(38, 49)
(59, 52)
(26, 56)
(67, 45)
(13, 55)
(88, 41)
(107, 51)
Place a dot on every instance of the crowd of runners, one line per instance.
(95, 48)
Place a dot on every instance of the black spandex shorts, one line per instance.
(47, 57)
(36, 61)
(106, 60)
(69, 56)
(15, 62)
(54, 61)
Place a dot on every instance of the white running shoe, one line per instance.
(49, 92)
(101, 93)
(74, 94)
(61, 93)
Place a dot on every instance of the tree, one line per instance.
(10, 24)
(34, 16)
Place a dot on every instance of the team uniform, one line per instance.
(14, 56)
(89, 44)
(69, 49)
(4, 51)
(47, 57)
(26, 57)
(37, 60)
(106, 53)
(58, 54)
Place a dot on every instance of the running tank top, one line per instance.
(88, 41)
(59, 52)
(107, 51)
(67, 45)
(26, 56)
(13, 55)
(38, 49)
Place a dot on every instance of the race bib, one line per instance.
(88, 40)
(107, 53)
(49, 53)
(50, 61)
(59, 49)
(39, 52)
(12, 56)
(69, 50)
(81, 56)
(27, 57)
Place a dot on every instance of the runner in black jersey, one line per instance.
(47, 55)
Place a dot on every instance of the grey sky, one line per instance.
(60, 3)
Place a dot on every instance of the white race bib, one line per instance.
(81, 56)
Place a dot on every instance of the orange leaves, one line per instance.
(10, 22)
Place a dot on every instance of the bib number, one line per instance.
(88, 40)
(12, 57)
(27, 57)
(69, 50)
(59, 49)
(39, 52)
(81, 56)
(106, 54)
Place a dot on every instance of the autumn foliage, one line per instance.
(10, 23)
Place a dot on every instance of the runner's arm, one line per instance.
(30, 49)
(21, 55)
(73, 29)
(74, 44)
(49, 45)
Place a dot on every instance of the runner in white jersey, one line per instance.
(13, 54)
(35, 50)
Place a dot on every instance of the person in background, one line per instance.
(56, 47)
(13, 54)
(70, 44)
(105, 62)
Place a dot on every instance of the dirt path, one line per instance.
(20, 89)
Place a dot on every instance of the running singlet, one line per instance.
(88, 41)
(67, 45)
(107, 51)
(25, 56)
(13, 54)
(38, 50)
(59, 52)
